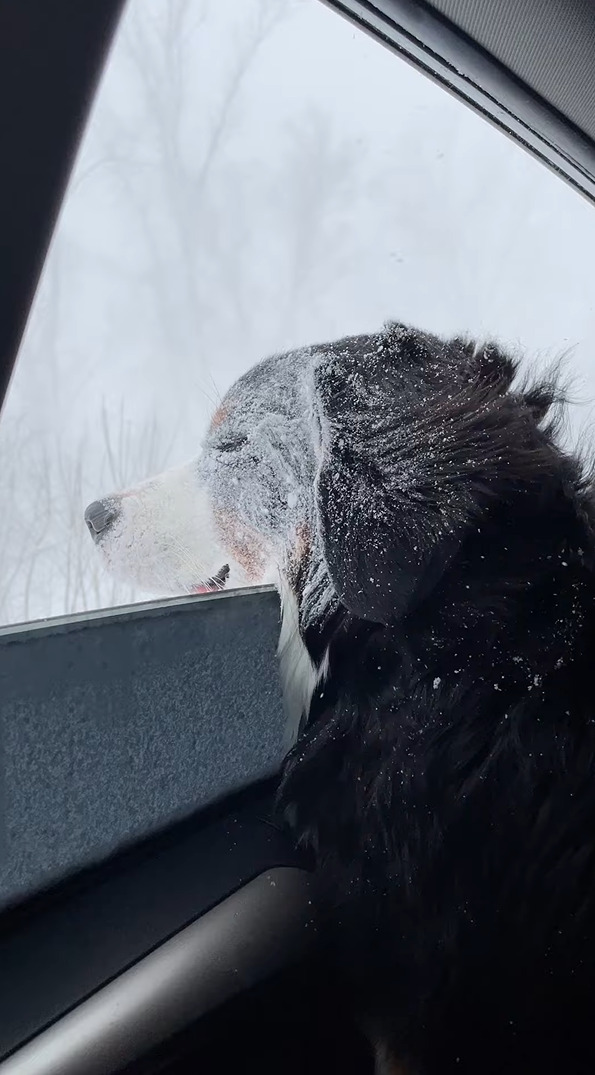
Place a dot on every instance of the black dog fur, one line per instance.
(445, 781)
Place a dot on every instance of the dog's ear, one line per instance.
(413, 445)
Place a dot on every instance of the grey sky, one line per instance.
(248, 183)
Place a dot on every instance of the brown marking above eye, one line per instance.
(218, 418)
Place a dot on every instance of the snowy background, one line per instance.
(257, 174)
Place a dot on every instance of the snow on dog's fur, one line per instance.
(434, 550)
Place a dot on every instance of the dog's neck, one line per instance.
(299, 674)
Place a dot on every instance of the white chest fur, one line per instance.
(299, 675)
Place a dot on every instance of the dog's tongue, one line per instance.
(214, 584)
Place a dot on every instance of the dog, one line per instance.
(434, 550)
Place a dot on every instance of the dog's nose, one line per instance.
(99, 516)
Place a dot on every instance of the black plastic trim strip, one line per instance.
(242, 941)
(430, 42)
(51, 56)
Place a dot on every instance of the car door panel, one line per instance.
(70, 941)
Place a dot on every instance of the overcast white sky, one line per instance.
(255, 175)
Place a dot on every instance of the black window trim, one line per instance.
(434, 45)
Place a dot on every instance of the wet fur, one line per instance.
(436, 554)
(446, 780)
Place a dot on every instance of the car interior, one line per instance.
(189, 941)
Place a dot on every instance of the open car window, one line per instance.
(256, 175)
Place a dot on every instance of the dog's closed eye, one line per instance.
(232, 443)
